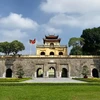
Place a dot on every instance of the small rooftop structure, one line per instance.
(51, 38)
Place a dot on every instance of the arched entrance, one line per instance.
(51, 45)
(95, 73)
(42, 53)
(60, 53)
(39, 72)
(52, 72)
(64, 72)
(51, 53)
(8, 72)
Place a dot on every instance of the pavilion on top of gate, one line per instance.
(51, 46)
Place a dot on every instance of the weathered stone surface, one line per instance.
(31, 64)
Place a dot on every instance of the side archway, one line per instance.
(60, 53)
(42, 53)
(95, 73)
(39, 72)
(8, 72)
(52, 72)
(64, 72)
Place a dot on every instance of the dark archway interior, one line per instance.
(60, 53)
(52, 72)
(51, 53)
(52, 45)
(8, 72)
(39, 72)
(42, 53)
(64, 72)
(95, 73)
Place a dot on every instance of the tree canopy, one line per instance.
(76, 51)
(5, 47)
(76, 44)
(17, 46)
(91, 41)
(11, 47)
(87, 44)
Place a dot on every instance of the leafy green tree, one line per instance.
(5, 47)
(91, 41)
(76, 44)
(20, 71)
(16, 46)
(76, 51)
(85, 71)
(11, 47)
(1, 48)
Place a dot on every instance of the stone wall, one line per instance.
(30, 64)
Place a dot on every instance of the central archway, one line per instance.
(52, 72)
(95, 73)
(8, 72)
(64, 72)
(39, 72)
(51, 53)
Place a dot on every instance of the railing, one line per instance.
(47, 56)
(49, 46)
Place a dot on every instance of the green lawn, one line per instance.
(22, 91)
(13, 79)
(90, 80)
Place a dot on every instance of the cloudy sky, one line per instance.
(28, 19)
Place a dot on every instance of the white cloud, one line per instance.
(48, 29)
(15, 26)
(73, 13)
(70, 6)
(84, 21)
(16, 21)
(51, 30)
(9, 35)
(63, 19)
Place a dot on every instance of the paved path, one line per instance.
(53, 80)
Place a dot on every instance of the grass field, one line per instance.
(90, 80)
(48, 91)
(13, 79)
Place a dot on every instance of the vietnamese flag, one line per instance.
(32, 41)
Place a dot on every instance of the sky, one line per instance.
(28, 19)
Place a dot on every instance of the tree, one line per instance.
(20, 71)
(76, 44)
(76, 51)
(1, 48)
(16, 46)
(91, 41)
(11, 47)
(85, 71)
(5, 47)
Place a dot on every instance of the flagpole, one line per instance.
(32, 42)
(30, 48)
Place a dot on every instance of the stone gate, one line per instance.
(50, 66)
(51, 60)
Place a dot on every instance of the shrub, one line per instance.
(20, 71)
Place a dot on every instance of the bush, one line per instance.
(20, 71)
